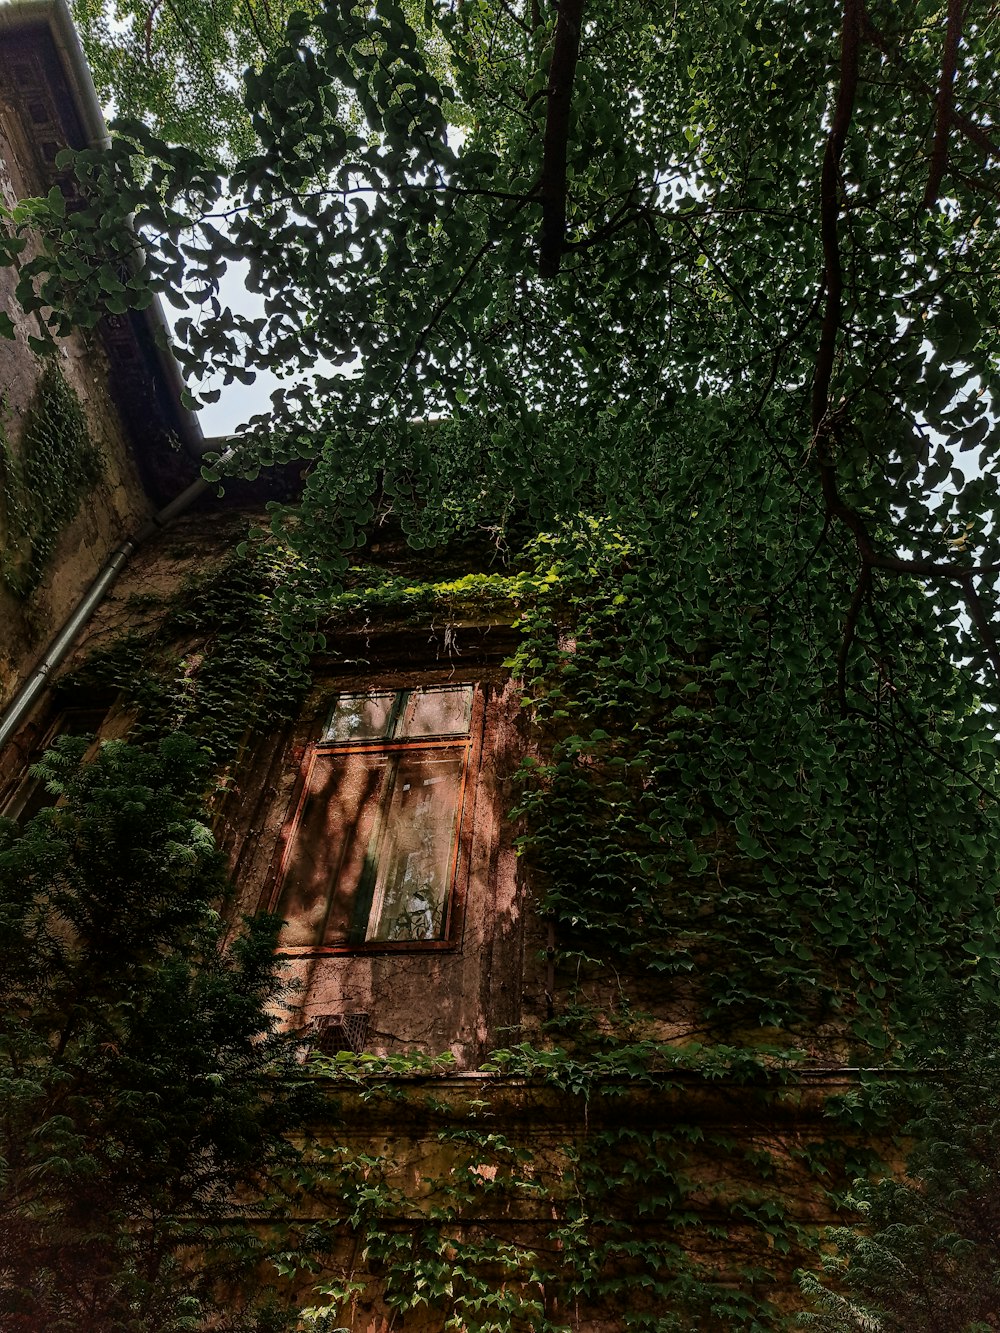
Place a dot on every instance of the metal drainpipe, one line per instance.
(23, 701)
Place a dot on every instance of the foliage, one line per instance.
(43, 478)
(625, 227)
(704, 818)
(652, 1215)
(145, 1091)
(694, 817)
(227, 655)
(217, 662)
(707, 294)
(924, 1255)
(509, 1229)
(702, 855)
(179, 65)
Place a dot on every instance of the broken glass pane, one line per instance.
(373, 856)
(328, 860)
(375, 840)
(415, 862)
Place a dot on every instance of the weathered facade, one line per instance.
(549, 1187)
(664, 1185)
(143, 443)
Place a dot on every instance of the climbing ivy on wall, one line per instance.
(43, 479)
(535, 1204)
(509, 1231)
(762, 789)
(218, 662)
(230, 651)
(725, 911)
(708, 814)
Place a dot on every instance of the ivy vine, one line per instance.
(43, 479)
(219, 661)
(723, 912)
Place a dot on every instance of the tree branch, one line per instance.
(148, 29)
(973, 132)
(945, 100)
(833, 276)
(850, 629)
(619, 219)
(248, 6)
(515, 18)
(552, 186)
(892, 564)
(978, 616)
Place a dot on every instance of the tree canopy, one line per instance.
(601, 212)
(178, 65)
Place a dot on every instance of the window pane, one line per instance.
(415, 863)
(374, 848)
(326, 869)
(445, 712)
(360, 717)
(30, 796)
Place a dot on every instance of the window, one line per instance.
(374, 849)
(29, 795)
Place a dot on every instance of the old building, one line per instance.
(111, 400)
(607, 1170)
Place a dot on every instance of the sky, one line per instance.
(237, 401)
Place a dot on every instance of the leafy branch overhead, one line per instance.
(526, 216)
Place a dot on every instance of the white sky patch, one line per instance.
(238, 402)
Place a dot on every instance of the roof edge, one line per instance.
(54, 16)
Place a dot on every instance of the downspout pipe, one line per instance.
(17, 711)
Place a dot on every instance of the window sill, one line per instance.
(374, 947)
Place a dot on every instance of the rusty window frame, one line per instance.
(318, 750)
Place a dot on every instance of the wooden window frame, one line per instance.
(315, 748)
